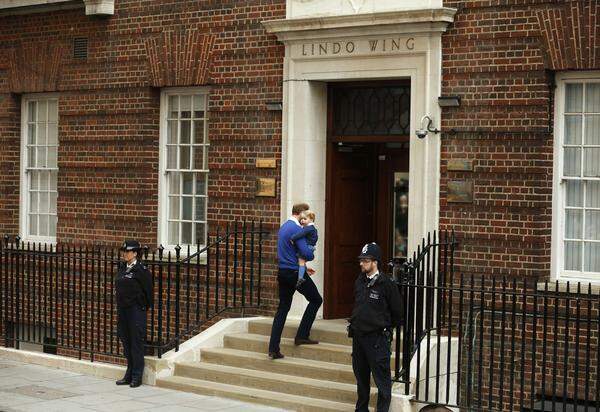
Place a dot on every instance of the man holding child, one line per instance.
(293, 251)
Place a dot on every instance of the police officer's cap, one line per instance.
(371, 251)
(131, 246)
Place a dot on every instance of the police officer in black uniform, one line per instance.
(133, 286)
(376, 311)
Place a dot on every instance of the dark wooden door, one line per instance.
(350, 217)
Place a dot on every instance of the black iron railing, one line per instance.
(483, 343)
(61, 297)
(431, 265)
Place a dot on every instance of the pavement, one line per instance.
(26, 387)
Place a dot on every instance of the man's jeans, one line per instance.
(287, 286)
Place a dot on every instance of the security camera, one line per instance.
(425, 128)
(421, 133)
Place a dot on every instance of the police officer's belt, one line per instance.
(366, 334)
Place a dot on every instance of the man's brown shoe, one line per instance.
(276, 355)
(305, 341)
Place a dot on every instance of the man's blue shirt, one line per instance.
(288, 252)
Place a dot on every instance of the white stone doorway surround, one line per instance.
(377, 46)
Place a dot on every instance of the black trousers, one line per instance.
(287, 286)
(131, 329)
(371, 355)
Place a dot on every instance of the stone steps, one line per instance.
(309, 378)
(300, 367)
(263, 397)
(279, 382)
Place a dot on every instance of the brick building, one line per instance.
(165, 120)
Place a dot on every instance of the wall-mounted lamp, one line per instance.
(449, 101)
(426, 123)
(274, 106)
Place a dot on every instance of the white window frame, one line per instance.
(558, 198)
(163, 196)
(24, 180)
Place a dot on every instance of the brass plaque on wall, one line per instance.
(460, 191)
(270, 163)
(460, 165)
(265, 187)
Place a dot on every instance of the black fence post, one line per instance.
(177, 294)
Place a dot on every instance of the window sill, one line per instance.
(562, 286)
(92, 7)
(153, 257)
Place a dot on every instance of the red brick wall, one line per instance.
(499, 56)
(109, 111)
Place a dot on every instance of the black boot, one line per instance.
(125, 381)
(135, 382)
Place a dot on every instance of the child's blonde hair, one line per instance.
(309, 214)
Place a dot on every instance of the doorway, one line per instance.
(367, 182)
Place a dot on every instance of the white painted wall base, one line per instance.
(155, 368)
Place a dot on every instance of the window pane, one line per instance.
(572, 129)
(184, 157)
(43, 225)
(201, 183)
(185, 132)
(186, 107)
(200, 209)
(31, 109)
(52, 134)
(592, 98)
(42, 115)
(592, 225)
(41, 134)
(199, 132)
(199, 103)
(573, 256)
(186, 208)
(174, 207)
(52, 161)
(573, 224)
(44, 200)
(591, 165)
(186, 233)
(592, 257)
(174, 188)
(592, 195)
(173, 106)
(572, 165)
(33, 202)
(52, 110)
(31, 152)
(53, 200)
(172, 157)
(44, 180)
(52, 221)
(41, 157)
(173, 233)
(172, 132)
(201, 233)
(53, 184)
(574, 98)
(33, 221)
(574, 193)
(592, 129)
(188, 183)
(31, 133)
(34, 183)
(198, 157)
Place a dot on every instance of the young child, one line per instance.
(309, 231)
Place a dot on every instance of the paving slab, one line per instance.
(32, 388)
